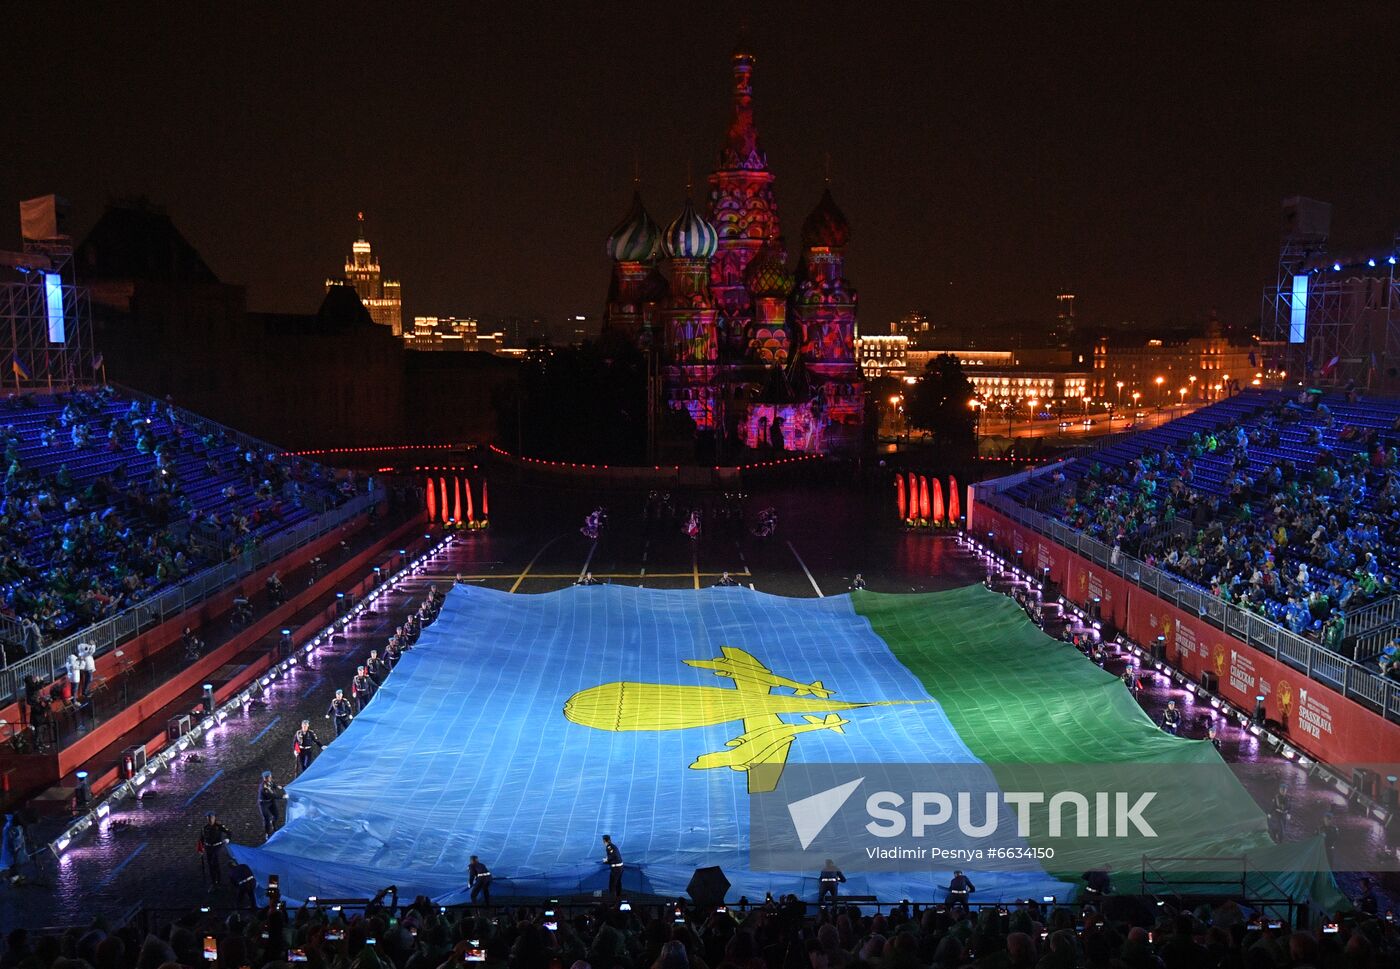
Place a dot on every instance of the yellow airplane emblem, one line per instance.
(761, 750)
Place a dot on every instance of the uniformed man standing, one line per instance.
(376, 669)
(959, 888)
(362, 688)
(614, 863)
(1171, 718)
(302, 742)
(339, 712)
(212, 842)
(245, 883)
(393, 653)
(479, 880)
(270, 798)
(827, 881)
(1213, 735)
(1278, 815)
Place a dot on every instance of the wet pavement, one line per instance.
(145, 851)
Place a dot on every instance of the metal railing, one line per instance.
(111, 632)
(1382, 612)
(1315, 661)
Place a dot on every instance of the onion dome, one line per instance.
(767, 273)
(827, 226)
(690, 236)
(636, 237)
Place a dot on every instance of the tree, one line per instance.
(940, 403)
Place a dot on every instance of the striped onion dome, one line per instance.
(767, 273)
(690, 236)
(636, 237)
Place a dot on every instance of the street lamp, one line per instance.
(1160, 381)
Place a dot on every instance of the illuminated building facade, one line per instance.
(451, 333)
(1014, 385)
(882, 354)
(751, 350)
(1203, 367)
(382, 297)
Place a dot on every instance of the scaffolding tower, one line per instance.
(1333, 320)
(45, 317)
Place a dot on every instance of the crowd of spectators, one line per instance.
(106, 500)
(1301, 542)
(778, 935)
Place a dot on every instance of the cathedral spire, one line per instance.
(741, 150)
(360, 226)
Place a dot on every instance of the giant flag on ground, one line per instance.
(523, 727)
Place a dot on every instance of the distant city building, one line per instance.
(579, 328)
(915, 327)
(1049, 386)
(1043, 373)
(881, 354)
(451, 333)
(382, 297)
(1197, 369)
(1063, 332)
(521, 332)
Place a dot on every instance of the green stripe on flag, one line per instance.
(1017, 696)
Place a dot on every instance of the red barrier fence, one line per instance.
(1314, 717)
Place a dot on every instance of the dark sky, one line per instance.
(986, 155)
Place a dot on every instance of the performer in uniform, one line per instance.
(827, 881)
(479, 880)
(339, 712)
(362, 688)
(1171, 718)
(1278, 814)
(246, 884)
(212, 842)
(614, 863)
(959, 888)
(376, 669)
(270, 797)
(302, 742)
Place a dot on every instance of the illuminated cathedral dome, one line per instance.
(636, 237)
(826, 227)
(767, 273)
(690, 236)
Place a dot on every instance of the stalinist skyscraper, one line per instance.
(382, 297)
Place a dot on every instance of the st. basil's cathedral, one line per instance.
(757, 353)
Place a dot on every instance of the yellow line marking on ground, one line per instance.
(521, 577)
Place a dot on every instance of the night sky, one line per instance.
(986, 155)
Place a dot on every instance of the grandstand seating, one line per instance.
(153, 495)
(1286, 506)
